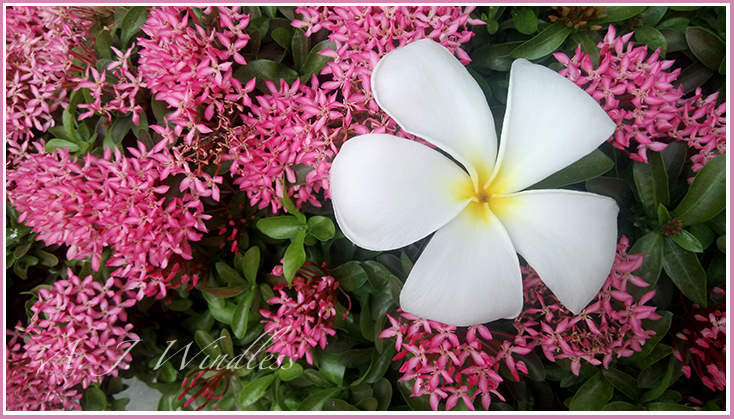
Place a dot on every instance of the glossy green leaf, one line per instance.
(168, 372)
(652, 38)
(380, 363)
(688, 242)
(369, 404)
(118, 131)
(383, 393)
(623, 382)
(241, 314)
(494, 56)
(366, 324)
(295, 257)
(618, 14)
(656, 407)
(482, 82)
(653, 15)
(593, 394)
(131, 23)
(420, 404)
(315, 378)
(675, 40)
(289, 373)
(46, 258)
(281, 227)
(207, 344)
(55, 143)
(686, 272)
(283, 37)
(614, 188)
(652, 183)
(525, 20)
(223, 314)
(225, 292)
(321, 227)
(316, 400)
(330, 368)
(707, 194)
(664, 383)
(251, 263)
(660, 327)
(255, 390)
(679, 24)
(102, 43)
(587, 45)
(315, 61)
(619, 406)
(299, 48)
(96, 399)
(706, 46)
(544, 43)
(693, 76)
(590, 166)
(270, 10)
(663, 214)
(265, 70)
(338, 405)
(351, 276)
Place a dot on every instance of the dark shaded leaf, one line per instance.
(351, 276)
(299, 48)
(240, 318)
(96, 399)
(652, 38)
(688, 242)
(706, 46)
(131, 23)
(495, 56)
(265, 70)
(207, 344)
(593, 394)
(652, 183)
(652, 16)
(656, 407)
(102, 43)
(255, 390)
(316, 400)
(623, 382)
(619, 406)
(225, 292)
(315, 61)
(251, 263)
(675, 40)
(686, 272)
(321, 227)
(338, 405)
(544, 43)
(664, 383)
(707, 194)
(420, 404)
(330, 368)
(525, 20)
(618, 14)
(229, 274)
(295, 257)
(590, 166)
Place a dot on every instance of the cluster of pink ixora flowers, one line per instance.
(118, 203)
(611, 325)
(304, 320)
(77, 335)
(639, 96)
(700, 341)
(452, 363)
(39, 60)
(122, 95)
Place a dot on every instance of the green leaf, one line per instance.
(283, 37)
(131, 23)
(525, 20)
(693, 76)
(315, 62)
(686, 272)
(338, 405)
(225, 292)
(383, 394)
(114, 136)
(96, 399)
(663, 214)
(656, 407)
(706, 46)
(291, 208)
(50, 260)
(678, 24)
(290, 373)
(281, 227)
(664, 383)
(207, 344)
(314, 377)
(294, 257)
(590, 166)
(587, 45)
(618, 14)
(660, 327)
(494, 56)
(321, 227)
(270, 10)
(351, 276)
(652, 38)
(688, 242)
(251, 263)
(721, 243)
(330, 368)
(674, 157)
(614, 188)
(652, 16)
(369, 404)
(265, 70)
(420, 404)
(366, 324)
(482, 82)
(226, 343)
(55, 143)
(168, 372)
(229, 274)
(241, 314)
(707, 194)
(652, 183)
(316, 400)
(675, 40)
(255, 390)
(623, 382)
(379, 364)
(223, 314)
(299, 48)
(593, 394)
(102, 44)
(544, 43)
(619, 406)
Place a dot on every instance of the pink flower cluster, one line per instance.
(638, 95)
(189, 65)
(74, 337)
(122, 95)
(701, 342)
(118, 203)
(39, 57)
(610, 326)
(305, 320)
(452, 363)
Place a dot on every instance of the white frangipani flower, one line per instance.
(389, 192)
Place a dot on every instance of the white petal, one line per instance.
(468, 274)
(568, 237)
(389, 192)
(432, 95)
(549, 124)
